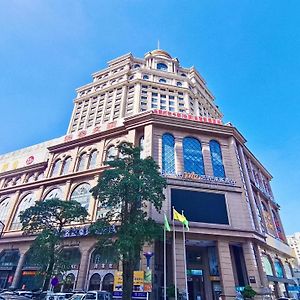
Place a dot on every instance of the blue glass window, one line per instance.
(168, 154)
(146, 77)
(162, 80)
(192, 156)
(161, 66)
(278, 268)
(216, 159)
(179, 83)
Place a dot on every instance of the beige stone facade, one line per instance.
(236, 236)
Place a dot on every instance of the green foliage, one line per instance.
(46, 219)
(171, 291)
(248, 292)
(125, 191)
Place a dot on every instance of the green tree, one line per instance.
(46, 219)
(126, 190)
(248, 292)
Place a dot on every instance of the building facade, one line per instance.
(236, 236)
(294, 242)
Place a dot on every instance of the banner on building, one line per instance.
(138, 285)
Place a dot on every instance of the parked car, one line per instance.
(78, 296)
(28, 294)
(12, 296)
(98, 295)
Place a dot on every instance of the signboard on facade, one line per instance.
(186, 116)
(138, 285)
(27, 156)
(201, 178)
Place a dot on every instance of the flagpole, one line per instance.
(174, 254)
(184, 257)
(165, 264)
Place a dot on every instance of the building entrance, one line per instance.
(195, 283)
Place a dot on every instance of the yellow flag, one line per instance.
(181, 218)
(177, 216)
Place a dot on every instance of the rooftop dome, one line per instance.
(159, 52)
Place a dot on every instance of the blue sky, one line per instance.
(247, 51)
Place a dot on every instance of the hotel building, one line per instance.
(236, 236)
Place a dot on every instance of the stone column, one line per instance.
(179, 160)
(83, 269)
(18, 271)
(180, 274)
(263, 277)
(249, 189)
(252, 266)
(226, 271)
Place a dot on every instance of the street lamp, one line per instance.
(148, 256)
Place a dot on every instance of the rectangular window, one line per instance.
(171, 97)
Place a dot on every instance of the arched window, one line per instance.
(136, 66)
(288, 270)
(4, 209)
(216, 159)
(168, 154)
(55, 193)
(66, 166)
(25, 203)
(145, 77)
(108, 283)
(92, 159)
(18, 181)
(81, 162)
(192, 156)
(277, 225)
(162, 80)
(82, 195)
(111, 153)
(95, 281)
(162, 67)
(278, 268)
(179, 83)
(30, 178)
(40, 176)
(267, 265)
(56, 168)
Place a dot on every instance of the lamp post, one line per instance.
(148, 256)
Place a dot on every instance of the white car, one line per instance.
(78, 296)
(98, 295)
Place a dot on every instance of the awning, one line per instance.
(283, 280)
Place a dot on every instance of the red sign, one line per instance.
(186, 116)
(29, 160)
(111, 125)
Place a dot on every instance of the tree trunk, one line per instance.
(48, 274)
(128, 268)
